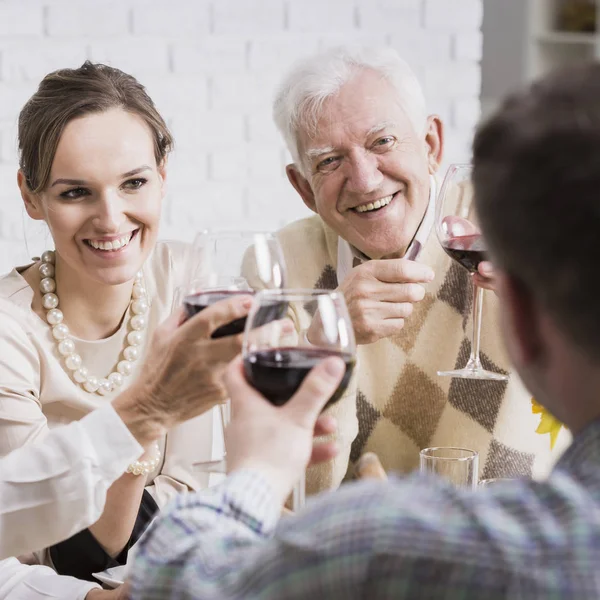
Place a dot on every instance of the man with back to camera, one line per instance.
(536, 179)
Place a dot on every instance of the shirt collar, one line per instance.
(584, 448)
(349, 257)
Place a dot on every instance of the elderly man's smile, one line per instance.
(374, 207)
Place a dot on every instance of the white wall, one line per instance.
(504, 61)
(211, 67)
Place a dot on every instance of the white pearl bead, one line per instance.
(48, 256)
(139, 306)
(47, 285)
(81, 375)
(138, 291)
(54, 316)
(131, 353)
(116, 379)
(104, 387)
(125, 368)
(73, 362)
(49, 301)
(139, 276)
(135, 338)
(138, 322)
(66, 346)
(60, 331)
(46, 269)
(91, 385)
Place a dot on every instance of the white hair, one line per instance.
(312, 81)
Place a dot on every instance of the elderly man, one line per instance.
(365, 159)
(419, 538)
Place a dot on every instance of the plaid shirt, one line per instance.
(415, 538)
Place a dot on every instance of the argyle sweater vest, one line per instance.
(399, 401)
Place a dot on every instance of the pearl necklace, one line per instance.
(66, 346)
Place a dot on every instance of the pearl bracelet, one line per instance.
(145, 467)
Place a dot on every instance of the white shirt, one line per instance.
(53, 489)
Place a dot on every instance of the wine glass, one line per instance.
(277, 361)
(461, 239)
(460, 466)
(222, 264)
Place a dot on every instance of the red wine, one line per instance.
(265, 314)
(467, 250)
(277, 373)
(197, 302)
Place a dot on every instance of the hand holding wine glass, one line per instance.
(276, 363)
(277, 441)
(461, 239)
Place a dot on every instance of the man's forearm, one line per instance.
(239, 513)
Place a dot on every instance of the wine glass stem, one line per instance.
(474, 361)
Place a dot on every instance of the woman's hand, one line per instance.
(182, 375)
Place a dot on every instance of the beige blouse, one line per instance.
(37, 393)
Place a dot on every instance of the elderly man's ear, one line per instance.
(302, 186)
(434, 142)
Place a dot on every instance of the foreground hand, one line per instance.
(485, 276)
(278, 440)
(182, 375)
(380, 295)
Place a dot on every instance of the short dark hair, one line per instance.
(536, 177)
(67, 94)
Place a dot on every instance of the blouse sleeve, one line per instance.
(21, 418)
(36, 582)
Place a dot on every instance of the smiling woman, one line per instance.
(73, 325)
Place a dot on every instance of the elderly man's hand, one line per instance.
(277, 441)
(486, 276)
(380, 295)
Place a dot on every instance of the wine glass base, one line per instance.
(474, 374)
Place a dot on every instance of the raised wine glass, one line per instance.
(277, 361)
(221, 264)
(460, 237)
(230, 263)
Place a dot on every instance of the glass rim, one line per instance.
(296, 293)
(424, 453)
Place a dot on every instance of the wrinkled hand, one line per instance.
(486, 276)
(182, 375)
(278, 440)
(380, 295)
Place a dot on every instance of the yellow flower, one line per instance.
(548, 423)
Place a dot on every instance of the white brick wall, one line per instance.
(211, 67)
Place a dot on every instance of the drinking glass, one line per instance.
(461, 239)
(277, 361)
(221, 264)
(227, 263)
(458, 465)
